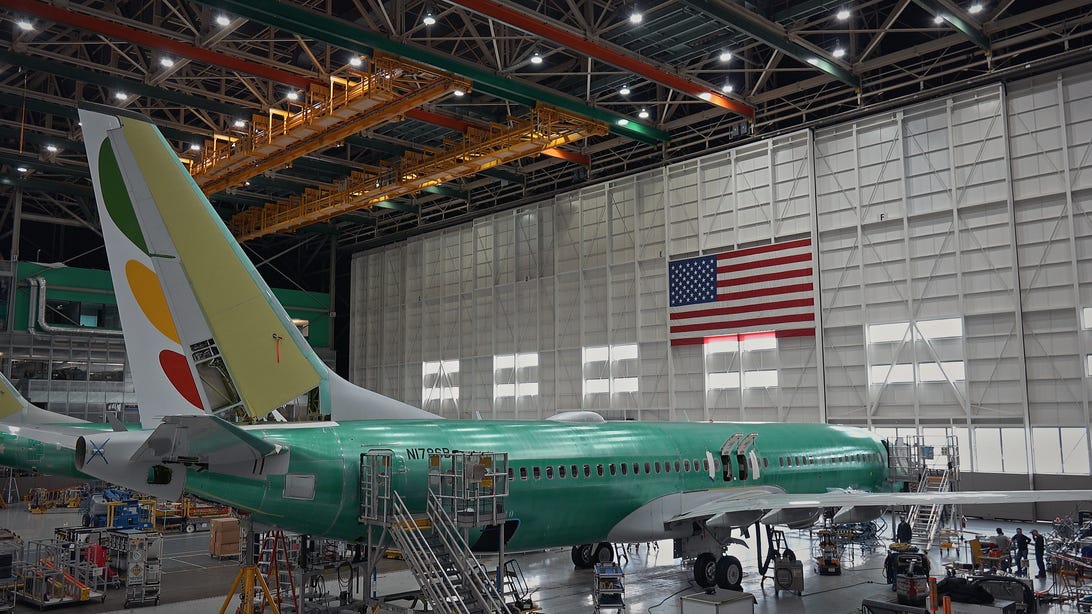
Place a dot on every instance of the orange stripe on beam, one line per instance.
(571, 156)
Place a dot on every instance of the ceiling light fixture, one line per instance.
(22, 169)
(939, 19)
(842, 15)
(536, 59)
(121, 95)
(240, 123)
(636, 17)
(727, 88)
(222, 20)
(51, 148)
(429, 19)
(166, 62)
(355, 61)
(975, 9)
(195, 147)
(725, 56)
(624, 91)
(623, 122)
(459, 92)
(643, 114)
(293, 96)
(706, 96)
(839, 52)
(25, 25)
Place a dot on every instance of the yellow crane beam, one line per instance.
(384, 88)
(479, 149)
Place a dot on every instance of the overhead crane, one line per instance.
(480, 148)
(383, 88)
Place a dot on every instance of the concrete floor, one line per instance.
(193, 582)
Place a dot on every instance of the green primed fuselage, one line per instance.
(552, 511)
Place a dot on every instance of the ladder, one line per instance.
(925, 519)
(452, 578)
(274, 562)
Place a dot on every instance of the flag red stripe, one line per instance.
(737, 296)
(758, 264)
(793, 317)
(754, 279)
(724, 311)
(780, 334)
(762, 249)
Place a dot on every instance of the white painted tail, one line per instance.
(203, 331)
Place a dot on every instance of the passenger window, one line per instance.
(523, 473)
(574, 473)
(648, 467)
(587, 471)
(561, 471)
(613, 470)
(625, 467)
(511, 474)
(678, 466)
(549, 472)
(686, 465)
(765, 462)
(537, 472)
(657, 466)
(599, 470)
(636, 468)
(667, 466)
(797, 461)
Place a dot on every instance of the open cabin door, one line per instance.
(738, 460)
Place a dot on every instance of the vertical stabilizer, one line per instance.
(204, 328)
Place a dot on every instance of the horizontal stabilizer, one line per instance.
(15, 409)
(212, 444)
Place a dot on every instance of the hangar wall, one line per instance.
(954, 248)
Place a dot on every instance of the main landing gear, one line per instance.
(585, 556)
(725, 572)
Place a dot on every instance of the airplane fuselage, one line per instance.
(662, 461)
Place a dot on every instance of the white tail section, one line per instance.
(204, 328)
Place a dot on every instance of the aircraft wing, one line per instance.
(730, 503)
(212, 443)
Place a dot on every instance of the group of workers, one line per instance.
(1018, 543)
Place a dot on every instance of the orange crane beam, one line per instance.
(480, 148)
(323, 116)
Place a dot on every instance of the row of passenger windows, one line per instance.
(613, 469)
(798, 461)
(684, 466)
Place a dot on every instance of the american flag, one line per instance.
(764, 289)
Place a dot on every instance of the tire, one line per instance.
(729, 573)
(788, 555)
(190, 528)
(604, 553)
(582, 556)
(705, 570)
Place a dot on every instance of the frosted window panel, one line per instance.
(596, 386)
(888, 333)
(449, 366)
(624, 352)
(1086, 317)
(625, 384)
(722, 381)
(1014, 452)
(599, 353)
(503, 361)
(988, 450)
(528, 389)
(722, 345)
(899, 374)
(1075, 450)
(1045, 448)
(504, 390)
(524, 361)
(760, 379)
(430, 368)
(939, 329)
(761, 341)
(1088, 364)
(933, 372)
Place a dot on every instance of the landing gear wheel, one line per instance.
(705, 570)
(190, 528)
(729, 573)
(582, 556)
(788, 555)
(604, 553)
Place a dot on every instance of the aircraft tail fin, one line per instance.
(203, 331)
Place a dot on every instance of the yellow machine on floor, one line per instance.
(828, 556)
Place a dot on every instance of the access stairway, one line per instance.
(925, 520)
(451, 577)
